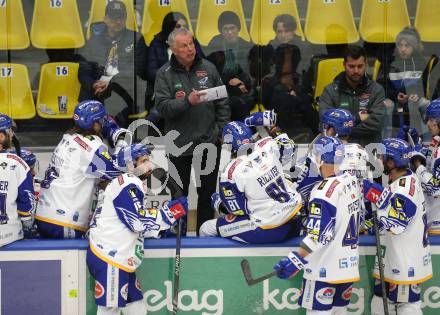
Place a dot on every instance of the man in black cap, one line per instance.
(228, 52)
(111, 54)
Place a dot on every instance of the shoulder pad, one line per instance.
(17, 159)
(262, 142)
(229, 170)
(82, 143)
(405, 185)
(327, 187)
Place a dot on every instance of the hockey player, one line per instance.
(402, 215)
(328, 254)
(426, 164)
(117, 233)
(79, 161)
(17, 201)
(260, 202)
(335, 122)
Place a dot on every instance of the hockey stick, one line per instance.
(379, 253)
(176, 192)
(246, 268)
(380, 260)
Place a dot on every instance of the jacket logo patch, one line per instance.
(180, 94)
(201, 73)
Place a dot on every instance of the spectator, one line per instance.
(405, 80)
(159, 53)
(228, 52)
(110, 54)
(283, 92)
(261, 58)
(180, 103)
(364, 98)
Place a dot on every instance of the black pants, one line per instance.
(207, 185)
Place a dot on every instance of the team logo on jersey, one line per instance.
(325, 295)
(315, 209)
(152, 212)
(3, 165)
(124, 291)
(346, 295)
(105, 155)
(230, 218)
(179, 95)
(322, 185)
(402, 182)
(99, 290)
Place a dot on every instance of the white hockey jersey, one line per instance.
(74, 169)
(16, 196)
(406, 251)
(121, 222)
(335, 208)
(429, 177)
(255, 185)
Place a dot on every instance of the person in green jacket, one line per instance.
(179, 99)
(354, 91)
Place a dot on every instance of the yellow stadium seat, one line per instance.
(155, 11)
(382, 20)
(13, 31)
(209, 11)
(328, 69)
(427, 20)
(330, 22)
(56, 24)
(264, 13)
(58, 90)
(97, 12)
(15, 92)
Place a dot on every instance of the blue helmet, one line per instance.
(88, 112)
(398, 150)
(433, 110)
(5, 123)
(340, 119)
(237, 134)
(131, 153)
(27, 155)
(330, 150)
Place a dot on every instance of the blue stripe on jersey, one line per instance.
(26, 196)
(232, 198)
(129, 208)
(103, 165)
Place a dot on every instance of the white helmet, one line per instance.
(355, 160)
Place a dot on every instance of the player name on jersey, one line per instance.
(267, 177)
